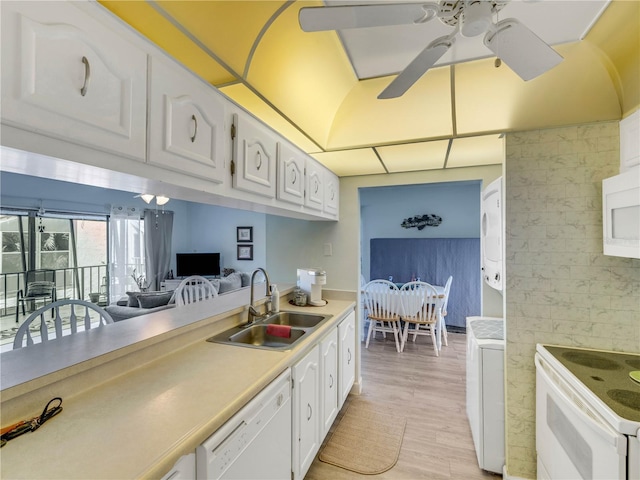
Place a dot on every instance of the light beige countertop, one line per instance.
(137, 421)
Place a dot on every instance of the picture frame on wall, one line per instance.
(245, 252)
(244, 234)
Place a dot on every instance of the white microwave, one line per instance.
(621, 214)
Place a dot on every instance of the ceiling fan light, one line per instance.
(475, 18)
(161, 199)
(147, 197)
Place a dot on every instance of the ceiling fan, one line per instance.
(515, 44)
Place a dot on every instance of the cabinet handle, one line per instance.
(316, 185)
(87, 76)
(310, 410)
(348, 356)
(331, 378)
(195, 132)
(295, 177)
(259, 160)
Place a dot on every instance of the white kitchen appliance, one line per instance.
(621, 214)
(491, 225)
(256, 442)
(587, 414)
(310, 281)
(485, 389)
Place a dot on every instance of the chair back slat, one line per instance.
(382, 300)
(420, 302)
(24, 336)
(194, 289)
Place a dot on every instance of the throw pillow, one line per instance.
(123, 302)
(246, 278)
(35, 289)
(154, 299)
(216, 284)
(232, 282)
(133, 301)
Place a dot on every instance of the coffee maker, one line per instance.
(310, 281)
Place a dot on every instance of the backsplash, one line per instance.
(560, 288)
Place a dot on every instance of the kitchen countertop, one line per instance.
(138, 424)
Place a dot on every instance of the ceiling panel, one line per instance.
(421, 113)
(414, 156)
(228, 28)
(475, 151)
(346, 163)
(146, 20)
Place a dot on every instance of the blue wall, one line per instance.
(384, 208)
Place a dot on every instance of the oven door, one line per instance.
(572, 440)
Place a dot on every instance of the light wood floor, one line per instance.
(430, 392)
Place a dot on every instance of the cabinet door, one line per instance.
(66, 75)
(329, 381)
(184, 468)
(346, 358)
(331, 192)
(306, 412)
(254, 154)
(290, 175)
(314, 185)
(630, 141)
(186, 123)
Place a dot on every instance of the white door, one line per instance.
(331, 192)
(306, 414)
(329, 381)
(186, 123)
(66, 75)
(346, 357)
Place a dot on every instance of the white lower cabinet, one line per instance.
(346, 357)
(184, 468)
(306, 412)
(329, 381)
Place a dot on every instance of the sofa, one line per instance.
(142, 303)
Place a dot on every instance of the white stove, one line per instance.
(587, 414)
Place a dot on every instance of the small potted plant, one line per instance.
(140, 280)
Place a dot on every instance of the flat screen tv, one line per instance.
(204, 264)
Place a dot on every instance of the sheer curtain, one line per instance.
(158, 227)
(126, 250)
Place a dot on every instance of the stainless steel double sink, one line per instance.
(257, 335)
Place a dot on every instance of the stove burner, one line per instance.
(635, 363)
(627, 398)
(590, 360)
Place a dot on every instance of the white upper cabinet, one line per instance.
(630, 141)
(314, 185)
(290, 175)
(186, 123)
(254, 154)
(331, 192)
(66, 75)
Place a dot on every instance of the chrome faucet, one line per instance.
(253, 313)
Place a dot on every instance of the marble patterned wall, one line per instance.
(560, 288)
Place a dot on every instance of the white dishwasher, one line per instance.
(256, 442)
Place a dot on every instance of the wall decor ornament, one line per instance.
(245, 234)
(421, 221)
(245, 252)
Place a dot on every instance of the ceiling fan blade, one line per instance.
(339, 17)
(525, 53)
(418, 67)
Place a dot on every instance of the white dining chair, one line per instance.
(79, 315)
(421, 308)
(194, 289)
(382, 302)
(445, 302)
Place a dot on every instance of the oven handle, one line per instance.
(596, 425)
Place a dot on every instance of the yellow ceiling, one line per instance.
(304, 87)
